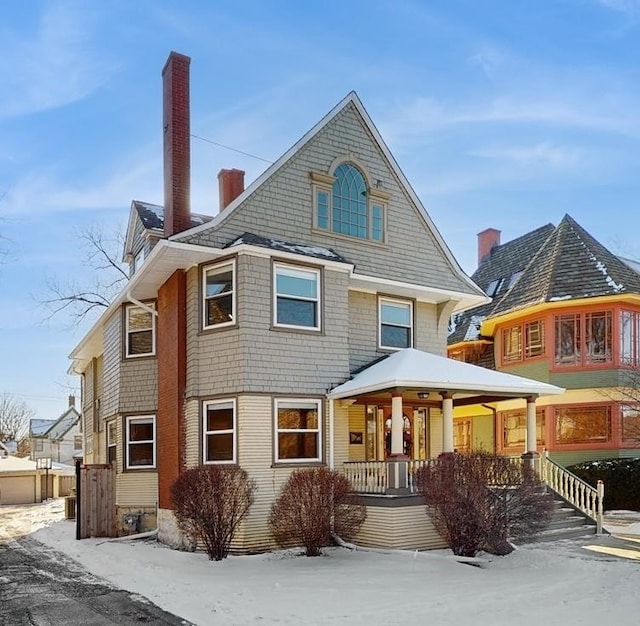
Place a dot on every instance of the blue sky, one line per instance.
(502, 113)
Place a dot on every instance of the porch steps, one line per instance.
(566, 523)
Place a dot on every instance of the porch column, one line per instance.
(447, 422)
(531, 453)
(397, 425)
(531, 443)
(397, 463)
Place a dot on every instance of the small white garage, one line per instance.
(16, 489)
(19, 481)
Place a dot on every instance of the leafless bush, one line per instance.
(210, 502)
(313, 505)
(479, 501)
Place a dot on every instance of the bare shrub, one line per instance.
(313, 505)
(479, 501)
(210, 502)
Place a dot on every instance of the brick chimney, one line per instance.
(487, 239)
(72, 401)
(176, 129)
(231, 184)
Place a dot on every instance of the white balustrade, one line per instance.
(366, 476)
(575, 491)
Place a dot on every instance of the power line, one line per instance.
(221, 145)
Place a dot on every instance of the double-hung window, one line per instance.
(141, 442)
(296, 297)
(219, 428)
(141, 331)
(298, 432)
(396, 323)
(218, 286)
(112, 438)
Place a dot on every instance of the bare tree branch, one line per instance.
(14, 418)
(77, 300)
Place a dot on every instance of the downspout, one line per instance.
(495, 426)
(331, 429)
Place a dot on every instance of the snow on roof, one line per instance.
(39, 427)
(285, 246)
(17, 464)
(473, 330)
(417, 369)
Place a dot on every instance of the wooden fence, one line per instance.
(96, 501)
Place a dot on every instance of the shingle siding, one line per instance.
(282, 209)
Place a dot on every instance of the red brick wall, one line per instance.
(171, 347)
(176, 129)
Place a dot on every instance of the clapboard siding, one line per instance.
(357, 423)
(193, 455)
(435, 432)
(137, 488)
(401, 528)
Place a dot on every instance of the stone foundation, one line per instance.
(131, 520)
(169, 533)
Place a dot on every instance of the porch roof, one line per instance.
(417, 370)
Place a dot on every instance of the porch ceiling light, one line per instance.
(423, 395)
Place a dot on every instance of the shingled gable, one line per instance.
(151, 219)
(227, 225)
(570, 265)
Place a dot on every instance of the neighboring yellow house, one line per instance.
(565, 311)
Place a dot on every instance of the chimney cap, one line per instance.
(175, 56)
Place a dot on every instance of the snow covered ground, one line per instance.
(554, 583)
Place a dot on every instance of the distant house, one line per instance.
(59, 439)
(565, 311)
(304, 325)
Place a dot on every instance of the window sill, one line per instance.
(297, 329)
(296, 464)
(369, 242)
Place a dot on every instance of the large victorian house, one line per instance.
(306, 323)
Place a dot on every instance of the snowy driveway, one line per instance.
(39, 585)
(556, 583)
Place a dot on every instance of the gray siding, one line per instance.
(254, 357)
(282, 208)
(139, 385)
(113, 337)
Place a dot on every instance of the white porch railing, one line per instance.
(366, 476)
(371, 476)
(574, 490)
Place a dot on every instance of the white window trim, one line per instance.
(140, 418)
(217, 266)
(382, 300)
(317, 300)
(205, 405)
(296, 402)
(130, 308)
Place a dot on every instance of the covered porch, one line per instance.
(400, 414)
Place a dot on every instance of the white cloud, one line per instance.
(52, 65)
(628, 7)
(540, 153)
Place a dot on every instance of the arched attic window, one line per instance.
(344, 204)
